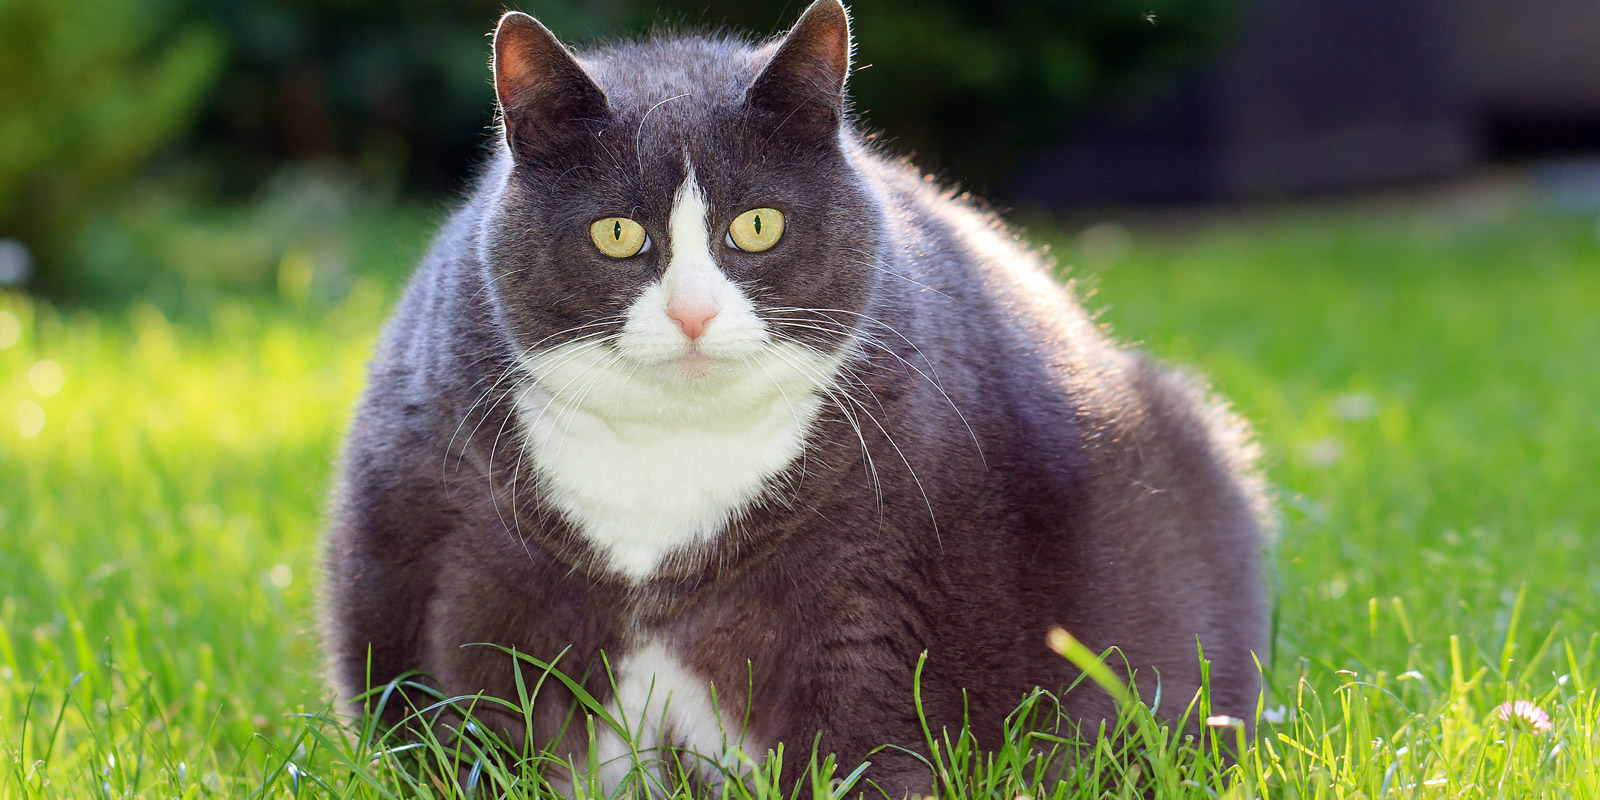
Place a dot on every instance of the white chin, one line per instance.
(694, 365)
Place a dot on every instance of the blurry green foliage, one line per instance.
(306, 234)
(401, 88)
(120, 119)
(91, 90)
(396, 89)
(970, 87)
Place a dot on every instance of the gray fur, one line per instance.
(1110, 496)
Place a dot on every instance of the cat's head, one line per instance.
(680, 231)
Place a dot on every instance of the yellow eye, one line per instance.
(756, 230)
(619, 237)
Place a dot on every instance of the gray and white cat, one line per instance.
(699, 380)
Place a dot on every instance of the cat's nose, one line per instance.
(692, 318)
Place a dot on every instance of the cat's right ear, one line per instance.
(802, 88)
(546, 99)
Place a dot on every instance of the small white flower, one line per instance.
(1525, 714)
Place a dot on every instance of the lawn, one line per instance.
(1423, 381)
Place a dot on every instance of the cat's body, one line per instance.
(907, 438)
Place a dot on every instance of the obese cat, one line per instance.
(736, 416)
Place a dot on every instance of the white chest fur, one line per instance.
(641, 489)
(662, 703)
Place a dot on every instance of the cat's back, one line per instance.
(963, 277)
(983, 299)
(1150, 478)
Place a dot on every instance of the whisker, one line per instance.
(831, 391)
(932, 380)
(927, 501)
(638, 135)
(509, 371)
(529, 384)
(488, 284)
(510, 368)
(880, 265)
(793, 414)
(600, 370)
(574, 405)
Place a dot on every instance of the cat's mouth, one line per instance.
(698, 368)
(719, 385)
(694, 363)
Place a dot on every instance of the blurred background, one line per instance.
(169, 149)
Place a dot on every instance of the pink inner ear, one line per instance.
(816, 52)
(513, 65)
(832, 51)
(831, 45)
(823, 36)
(527, 59)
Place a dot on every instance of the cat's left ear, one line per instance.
(546, 98)
(802, 87)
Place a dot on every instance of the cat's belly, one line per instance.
(638, 491)
(662, 703)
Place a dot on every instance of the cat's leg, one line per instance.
(375, 591)
(505, 626)
(389, 518)
(862, 696)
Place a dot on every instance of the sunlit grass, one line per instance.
(1425, 389)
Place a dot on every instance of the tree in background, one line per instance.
(403, 87)
(971, 87)
(92, 90)
(223, 95)
(398, 90)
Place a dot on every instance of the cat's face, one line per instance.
(681, 233)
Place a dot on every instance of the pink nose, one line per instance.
(692, 318)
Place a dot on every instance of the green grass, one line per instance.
(1425, 388)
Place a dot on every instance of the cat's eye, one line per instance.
(619, 237)
(756, 230)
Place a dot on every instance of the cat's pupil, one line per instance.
(758, 224)
(616, 230)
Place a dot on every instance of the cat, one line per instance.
(730, 415)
